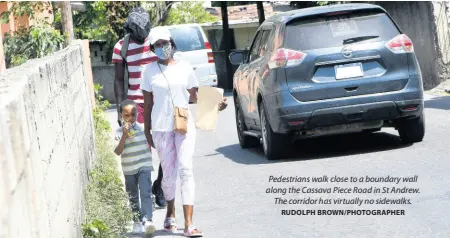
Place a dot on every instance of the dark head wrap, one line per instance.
(138, 24)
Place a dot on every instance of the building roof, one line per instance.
(243, 12)
(246, 14)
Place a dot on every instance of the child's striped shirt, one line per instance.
(136, 154)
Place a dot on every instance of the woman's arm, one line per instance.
(148, 107)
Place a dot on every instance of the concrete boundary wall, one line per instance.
(46, 145)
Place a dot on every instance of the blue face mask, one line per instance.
(164, 52)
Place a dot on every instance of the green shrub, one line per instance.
(36, 41)
(107, 213)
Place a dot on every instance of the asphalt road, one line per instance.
(231, 183)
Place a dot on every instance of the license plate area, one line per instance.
(348, 71)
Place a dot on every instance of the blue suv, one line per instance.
(327, 70)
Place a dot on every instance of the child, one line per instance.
(132, 145)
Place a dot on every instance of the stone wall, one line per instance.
(46, 145)
(423, 31)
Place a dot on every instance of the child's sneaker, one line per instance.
(149, 227)
(137, 228)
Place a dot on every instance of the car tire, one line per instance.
(274, 144)
(412, 130)
(244, 141)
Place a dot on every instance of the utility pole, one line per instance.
(226, 40)
(67, 22)
(261, 17)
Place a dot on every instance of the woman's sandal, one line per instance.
(170, 224)
(190, 232)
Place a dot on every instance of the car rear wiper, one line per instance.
(357, 39)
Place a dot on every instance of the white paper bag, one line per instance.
(207, 112)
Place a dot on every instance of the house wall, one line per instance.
(244, 37)
(99, 54)
(16, 23)
(2, 54)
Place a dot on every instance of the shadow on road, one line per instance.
(319, 148)
(442, 103)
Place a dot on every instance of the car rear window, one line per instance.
(325, 32)
(187, 38)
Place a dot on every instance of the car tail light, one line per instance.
(207, 45)
(409, 108)
(400, 44)
(210, 57)
(285, 58)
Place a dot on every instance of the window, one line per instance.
(264, 43)
(254, 51)
(260, 45)
(187, 38)
(328, 32)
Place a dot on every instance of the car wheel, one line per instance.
(244, 141)
(274, 145)
(412, 130)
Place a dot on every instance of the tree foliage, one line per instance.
(159, 11)
(36, 41)
(29, 9)
(92, 24)
(189, 12)
(117, 14)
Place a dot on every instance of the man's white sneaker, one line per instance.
(137, 228)
(149, 227)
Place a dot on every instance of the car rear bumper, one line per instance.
(209, 80)
(286, 114)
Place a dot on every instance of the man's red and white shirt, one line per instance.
(137, 56)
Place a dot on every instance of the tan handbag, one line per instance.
(180, 115)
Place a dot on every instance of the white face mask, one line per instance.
(164, 52)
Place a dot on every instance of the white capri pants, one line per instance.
(175, 152)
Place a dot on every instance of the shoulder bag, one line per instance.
(180, 115)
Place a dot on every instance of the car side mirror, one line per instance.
(237, 58)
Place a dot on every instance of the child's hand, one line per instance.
(125, 129)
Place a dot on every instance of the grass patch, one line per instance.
(107, 213)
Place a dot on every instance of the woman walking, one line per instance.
(172, 84)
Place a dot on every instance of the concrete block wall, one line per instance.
(99, 53)
(104, 75)
(46, 145)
